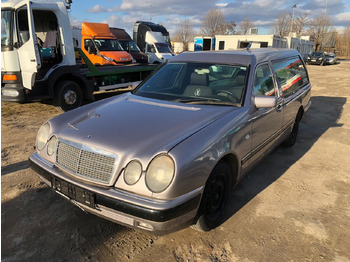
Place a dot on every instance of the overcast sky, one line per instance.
(170, 13)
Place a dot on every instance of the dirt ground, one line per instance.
(294, 206)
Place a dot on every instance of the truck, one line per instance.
(38, 60)
(154, 40)
(101, 46)
(129, 45)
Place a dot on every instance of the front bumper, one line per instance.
(125, 208)
(13, 93)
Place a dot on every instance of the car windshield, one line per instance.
(129, 45)
(6, 27)
(316, 54)
(108, 45)
(197, 83)
(330, 55)
(163, 48)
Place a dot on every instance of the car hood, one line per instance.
(135, 126)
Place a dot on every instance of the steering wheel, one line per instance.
(228, 94)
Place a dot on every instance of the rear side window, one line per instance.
(291, 75)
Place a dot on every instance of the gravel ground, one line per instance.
(295, 205)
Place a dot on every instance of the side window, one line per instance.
(150, 48)
(23, 26)
(291, 75)
(263, 83)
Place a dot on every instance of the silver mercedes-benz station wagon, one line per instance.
(166, 155)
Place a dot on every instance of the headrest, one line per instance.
(199, 79)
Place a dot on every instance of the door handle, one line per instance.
(33, 60)
(279, 108)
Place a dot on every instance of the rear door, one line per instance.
(291, 77)
(28, 52)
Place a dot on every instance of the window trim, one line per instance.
(278, 92)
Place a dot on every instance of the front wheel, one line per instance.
(213, 201)
(68, 96)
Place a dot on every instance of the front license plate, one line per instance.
(73, 192)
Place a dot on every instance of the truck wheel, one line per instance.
(68, 96)
(213, 200)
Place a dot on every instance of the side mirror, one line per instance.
(91, 50)
(265, 101)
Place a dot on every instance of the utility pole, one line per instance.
(293, 7)
(326, 7)
(150, 13)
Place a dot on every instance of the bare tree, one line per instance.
(319, 28)
(343, 43)
(244, 26)
(282, 25)
(300, 23)
(230, 28)
(214, 23)
(184, 33)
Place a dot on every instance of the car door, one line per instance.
(291, 77)
(28, 50)
(266, 122)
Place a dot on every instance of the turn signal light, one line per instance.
(9, 78)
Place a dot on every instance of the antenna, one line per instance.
(249, 45)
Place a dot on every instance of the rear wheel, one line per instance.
(293, 135)
(213, 200)
(68, 96)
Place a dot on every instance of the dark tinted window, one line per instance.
(291, 75)
(221, 45)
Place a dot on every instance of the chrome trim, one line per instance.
(84, 148)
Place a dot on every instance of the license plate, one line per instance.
(313, 60)
(73, 192)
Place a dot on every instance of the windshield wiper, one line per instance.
(205, 101)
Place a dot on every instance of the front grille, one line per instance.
(89, 163)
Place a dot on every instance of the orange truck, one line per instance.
(101, 46)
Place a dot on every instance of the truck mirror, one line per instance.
(91, 50)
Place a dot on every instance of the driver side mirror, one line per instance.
(265, 101)
(92, 50)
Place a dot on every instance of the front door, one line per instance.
(28, 51)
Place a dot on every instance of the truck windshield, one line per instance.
(6, 28)
(108, 45)
(163, 48)
(129, 45)
(197, 83)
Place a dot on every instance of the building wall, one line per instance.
(233, 42)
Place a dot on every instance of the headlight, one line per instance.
(43, 135)
(51, 146)
(160, 173)
(320, 58)
(107, 58)
(132, 172)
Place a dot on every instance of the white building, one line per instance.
(233, 42)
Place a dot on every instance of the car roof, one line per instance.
(241, 57)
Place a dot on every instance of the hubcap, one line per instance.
(70, 97)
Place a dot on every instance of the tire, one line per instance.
(293, 135)
(216, 189)
(68, 96)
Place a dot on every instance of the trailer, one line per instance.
(38, 58)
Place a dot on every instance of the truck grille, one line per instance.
(86, 162)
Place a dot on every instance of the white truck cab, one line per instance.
(157, 50)
(33, 42)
